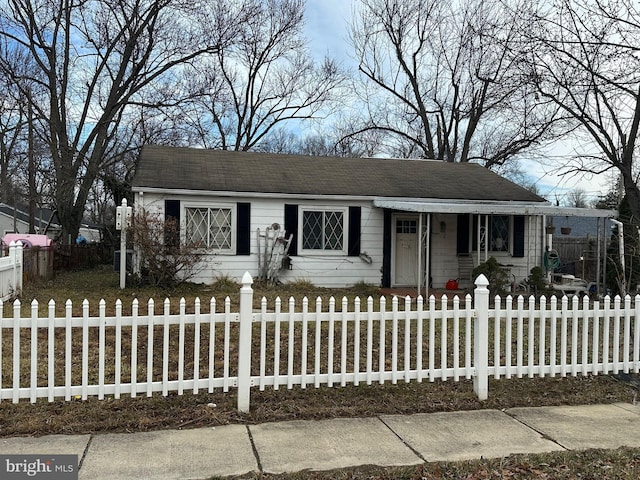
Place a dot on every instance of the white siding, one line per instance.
(342, 270)
(321, 270)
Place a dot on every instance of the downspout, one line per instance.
(598, 247)
(621, 254)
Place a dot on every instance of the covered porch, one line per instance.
(429, 244)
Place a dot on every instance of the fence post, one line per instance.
(16, 256)
(244, 343)
(481, 338)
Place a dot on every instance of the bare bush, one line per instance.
(164, 260)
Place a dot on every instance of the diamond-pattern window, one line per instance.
(322, 230)
(209, 227)
(499, 233)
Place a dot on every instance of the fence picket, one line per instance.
(118, 352)
(382, 340)
(196, 345)
(85, 349)
(356, 341)
(585, 335)
(101, 348)
(553, 332)
(51, 353)
(508, 337)
(181, 328)
(67, 356)
(150, 345)
(519, 336)
(343, 345)
(496, 338)
(16, 351)
(444, 332)
(542, 346)
(212, 343)
(607, 337)
(596, 339)
(369, 360)
(276, 346)
(227, 342)
(419, 340)
(304, 343)
(317, 350)
(574, 335)
(394, 340)
(626, 335)
(432, 338)
(134, 347)
(263, 342)
(33, 384)
(616, 334)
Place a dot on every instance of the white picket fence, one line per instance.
(311, 344)
(11, 269)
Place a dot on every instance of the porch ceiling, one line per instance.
(496, 208)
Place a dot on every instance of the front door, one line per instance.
(406, 251)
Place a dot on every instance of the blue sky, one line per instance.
(327, 28)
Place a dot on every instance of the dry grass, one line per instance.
(620, 464)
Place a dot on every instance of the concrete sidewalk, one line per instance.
(387, 440)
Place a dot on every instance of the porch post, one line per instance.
(481, 338)
(420, 247)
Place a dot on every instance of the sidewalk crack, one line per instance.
(255, 450)
(85, 452)
(415, 452)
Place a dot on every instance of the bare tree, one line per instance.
(577, 198)
(94, 59)
(442, 82)
(13, 130)
(584, 57)
(264, 79)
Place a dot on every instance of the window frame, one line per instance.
(212, 206)
(344, 210)
(489, 234)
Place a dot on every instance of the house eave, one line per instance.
(233, 194)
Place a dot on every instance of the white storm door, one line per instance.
(406, 251)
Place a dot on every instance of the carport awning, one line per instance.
(491, 208)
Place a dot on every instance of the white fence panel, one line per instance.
(39, 355)
(311, 344)
(11, 271)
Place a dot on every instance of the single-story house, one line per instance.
(387, 222)
(15, 219)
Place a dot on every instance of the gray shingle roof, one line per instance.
(174, 168)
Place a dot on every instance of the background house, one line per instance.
(15, 219)
(388, 222)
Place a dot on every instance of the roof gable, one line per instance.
(174, 168)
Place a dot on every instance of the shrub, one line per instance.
(164, 260)
(496, 275)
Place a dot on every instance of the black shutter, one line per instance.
(243, 228)
(354, 231)
(172, 223)
(463, 234)
(518, 236)
(291, 227)
(386, 249)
